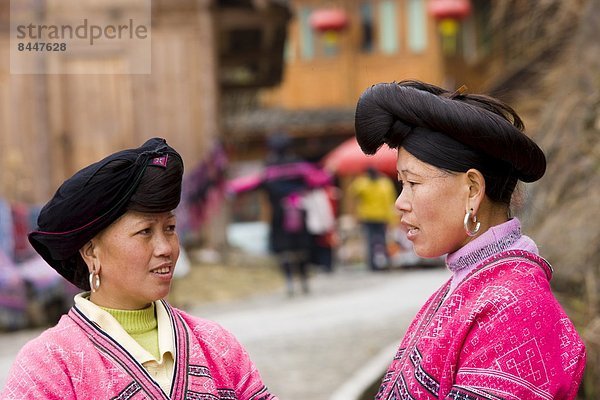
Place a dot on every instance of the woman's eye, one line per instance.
(407, 183)
(171, 228)
(146, 231)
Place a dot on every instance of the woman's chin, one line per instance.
(426, 252)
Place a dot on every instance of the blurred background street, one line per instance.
(308, 347)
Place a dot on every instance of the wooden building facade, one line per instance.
(326, 70)
(52, 124)
(382, 41)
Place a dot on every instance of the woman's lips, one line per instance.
(412, 233)
(164, 271)
(411, 230)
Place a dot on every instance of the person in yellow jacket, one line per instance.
(373, 195)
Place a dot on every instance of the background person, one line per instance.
(286, 180)
(110, 230)
(494, 330)
(373, 195)
(321, 206)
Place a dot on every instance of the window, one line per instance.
(482, 16)
(288, 52)
(307, 36)
(475, 39)
(388, 27)
(366, 26)
(417, 26)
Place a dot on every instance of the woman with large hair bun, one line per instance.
(494, 330)
(110, 230)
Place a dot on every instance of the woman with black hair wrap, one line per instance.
(110, 230)
(494, 330)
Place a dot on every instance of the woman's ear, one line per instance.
(88, 254)
(476, 183)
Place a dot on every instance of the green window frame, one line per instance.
(417, 25)
(388, 27)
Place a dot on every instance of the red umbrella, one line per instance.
(348, 159)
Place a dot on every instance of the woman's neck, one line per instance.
(102, 299)
(135, 321)
(491, 214)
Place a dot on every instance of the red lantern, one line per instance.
(328, 19)
(449, 9)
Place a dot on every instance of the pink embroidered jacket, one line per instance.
(77, 360)
(500, 334)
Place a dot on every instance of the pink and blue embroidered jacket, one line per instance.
(77, 360)
(494, 331)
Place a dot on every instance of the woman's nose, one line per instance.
(402, 203)
(164, 244)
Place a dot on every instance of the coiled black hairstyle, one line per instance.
(453, 131)
(144, 179)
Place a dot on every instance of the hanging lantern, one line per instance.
(329, 22)
(447, 14)
(328, 19)
(449, 9)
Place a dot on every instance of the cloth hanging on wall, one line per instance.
(203, 189)
(13, 296)
(25, 278)
(7, 243)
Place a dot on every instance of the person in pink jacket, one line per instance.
(110, 230)
(494, 330)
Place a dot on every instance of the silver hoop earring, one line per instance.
(94, 281)
(468, 216)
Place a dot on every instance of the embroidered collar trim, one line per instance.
(488, 249)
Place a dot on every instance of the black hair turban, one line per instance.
(389, 112)
(95, 197)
